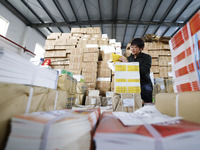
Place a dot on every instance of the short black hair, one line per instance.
(138, 42)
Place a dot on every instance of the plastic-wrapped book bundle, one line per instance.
(127, 83)
(185, 56)
(127, 77)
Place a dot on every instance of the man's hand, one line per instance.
(123, 59)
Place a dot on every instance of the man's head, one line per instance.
(137, 46)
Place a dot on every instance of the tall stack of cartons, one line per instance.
(161, 58)
(58, 47)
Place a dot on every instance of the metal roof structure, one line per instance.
(120, 19)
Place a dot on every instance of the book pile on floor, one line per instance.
(121, 130)
(60, 129)
(15, 69)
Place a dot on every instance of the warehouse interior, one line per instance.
(63, 83)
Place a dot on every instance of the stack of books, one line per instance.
(175, 134)
(60, 129)
(16, 69)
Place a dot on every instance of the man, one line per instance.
(137, 45)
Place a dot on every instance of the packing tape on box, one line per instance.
(29, 100)
(177, 113)
(56, 99)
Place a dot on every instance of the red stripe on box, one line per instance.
(182, 55)
(186, 87)
(195, 86)
(185, 70)
(195, 23)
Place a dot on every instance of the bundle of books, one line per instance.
(60, 129)
(16, 69)
(115, 132)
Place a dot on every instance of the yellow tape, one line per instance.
(120, 80)
(133, 80)
(133, 68)
(134, 89)
(121, 89)
(120, 68)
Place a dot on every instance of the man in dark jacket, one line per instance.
(137, 45)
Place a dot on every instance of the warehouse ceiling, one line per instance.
(120, 19)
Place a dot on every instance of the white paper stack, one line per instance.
(60, 129)
(16, 69)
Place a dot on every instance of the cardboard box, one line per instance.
(75, 65)
(57, 53)
(91, 50)
(77, 51)
(120, 104)
(163, 72)
(93, 100)
(164, 60)
(104, 72)
(154, 53)
(103, 86)
(75, 72)
(89, 77)
(93, 93)
(90, 57)
(88, 65)
(156, 75)
(188, 105)
(106, 101)
(76, 58)
(91, 85)
(165, 52)
(103, 64)
(155, 69)
(154, 61)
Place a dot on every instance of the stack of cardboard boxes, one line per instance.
(84, 51)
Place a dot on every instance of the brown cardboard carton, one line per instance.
(89, 77)
(165, 52)
(188, 105)
(89, 67)
(90, 57)
(93, 100)
(155, 69)
(75, 65)
(163, 72)
(103, 86)
(75, 72)
(164, 60)
(154, 61)
(119, 106)
(57, 53)
(104, 72)
(154, 53)
(71, 99)
(80, 99)
(92, 85)
(76, 58)
(91, 50)
(103, 64)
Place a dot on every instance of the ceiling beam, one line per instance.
(59, 7)
(36, 15)
(114, 17)
(86, 10)
(15, 12)
(99, 5)
(48, 13)
(168, 10)
(192, 14)
(158, 6)
(179, 14)
(126, 24)
(96, 22)
(140, 17)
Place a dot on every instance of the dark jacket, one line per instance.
(145, 65)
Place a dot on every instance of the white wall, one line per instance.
(20, 34)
